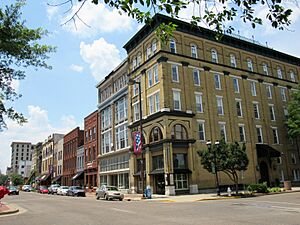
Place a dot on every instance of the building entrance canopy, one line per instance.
(264, 150)
(78, 175)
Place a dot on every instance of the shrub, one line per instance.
(274, 189)
(259, 188)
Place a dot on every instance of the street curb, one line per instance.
(220, 198)
(11, 211)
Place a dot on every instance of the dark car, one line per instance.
(76, 191)
(13, 190)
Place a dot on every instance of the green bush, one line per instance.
(274, 189)
(259, 188)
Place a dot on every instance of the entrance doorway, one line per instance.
(160, 184)
(264, 172)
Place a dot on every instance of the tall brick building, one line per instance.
(91, 127)
(72, 141)
(195, 89)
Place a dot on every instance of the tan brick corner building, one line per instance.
(196, 89)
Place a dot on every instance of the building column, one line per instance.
(132, 168)
(193, 176)
(169, 171)
(147, 169)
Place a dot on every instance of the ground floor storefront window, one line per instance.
(120, 180)
(181, 181)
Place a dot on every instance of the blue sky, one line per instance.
(57, 100)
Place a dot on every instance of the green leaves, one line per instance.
(293, 122)
(19, 48)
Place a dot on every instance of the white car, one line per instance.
(62, 190)
(27, 188)
(109, 193)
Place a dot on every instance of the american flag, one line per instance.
(137, 144)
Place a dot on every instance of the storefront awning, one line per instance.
(45, 177)
(77, 176)
(182, 171)
(267, 151)
(56, 178)
(157, 171)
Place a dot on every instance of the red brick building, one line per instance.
(91, 123)
(72, 141)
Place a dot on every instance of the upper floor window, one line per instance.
(275, 135)
(179, 132)
(176, 100)
(154, 103)
(148, 52)
(172, 46)
(238, 103)
(175, 76)
(222, 127)
(265, 69)
(155, 135)
(157, 162)
(136, 111)
(155, 74)
(269, 91)
(250, 65)
(196, 75)
(220, 108)
(106, 118)
(236, 85)
(154, 46)
(201, 130)
(292, 76)
(279, 72)
(259, 134)
(199, 104)
(217, 81)
(150, 79)
(214, 56)
(253, 88)
(256, 110)
(194, 53)
(121, 137)
(134, 63)
(180, 161)
(293, 158)
(106, 142)
(232, 60)
(272, 112)
(136, 87)
(242, 132)
(121, 110)
(282, 94)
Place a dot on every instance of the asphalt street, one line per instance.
(38, 209)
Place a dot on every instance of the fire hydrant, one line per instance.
(229, 191)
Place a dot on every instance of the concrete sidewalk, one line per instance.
(192, 197)
(7, 209)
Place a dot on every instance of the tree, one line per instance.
(214, 13)
(16, 179)
(19, 49)
(227, 158)
(3, 179)
(293, 122)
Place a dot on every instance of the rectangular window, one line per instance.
(281, 175)
(217, 81)
(106, 118)
(121, 110)
(242, 132)
(275, 135)
(136, 87)
(176, 100)
(181, 181)
(285, 113)
(201, 130)
(253, 88)
(272, 112)
(232, 61)
(151, 104)
(250, 65)
(236, 85)
(136, 111)
(293, 158)
(154, 103)
(259, 134)
(279, 73)
(157, 162)
(175, 76)
(256, 110)
(265, 69)
(121, 137)
(149, 76)
(155, 74)
(199, 105)
(239, 110)
(106, 142)
(220, 105)
(269, 91)
(296, 175)
(196, 75)
(222, 127)
(194, 51)
(292, 75)
(282, 94)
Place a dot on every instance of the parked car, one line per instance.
(53, 188)
(13, 190)
(43, 190)
(62, 190)
(76, 191)
(27, 188)
(109, 193)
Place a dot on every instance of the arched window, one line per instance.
(214, 56)
(155, 135)
(134, 63)
(194, 53)
(172, 46)
(265, 68)
(139, 59)
(292, 76)
(232, 60)
(250, 64)
(154, 46)
(148, 51)
(279, 72)
(178, 132)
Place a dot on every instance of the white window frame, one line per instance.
(217, 81)
(178, 179)
(214, 55)
(120, 134)
(259, 133)
(222, 127)
(256, 108)
(275, 135)
(220, 105)
(279, 72)
(272, 112)
(232, 60)
(155, 74)
(236, 85)
(175, 73)
(150, 78)
(154, 102)
(238, 102)
(196, 74)
(253, 88)
(269, 91)
(136, 111)
(202, 124)
(283, 94)
(199, 101)
(243, 132)
(194, 53)
(292, 76)
(293, 158)
(296, 174)
(172, 46)
(265, 68)
(250, 65)
(176, 98)
(154, 46)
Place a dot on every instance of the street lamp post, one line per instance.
(132, 82)
(209, 146)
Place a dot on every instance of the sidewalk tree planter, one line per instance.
(230, 159)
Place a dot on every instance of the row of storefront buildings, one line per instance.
(191, 89)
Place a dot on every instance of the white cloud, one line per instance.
(76, 68)
(15, 85)
(98, 17)
(38, 128)
(52, 11)
(103, 57)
